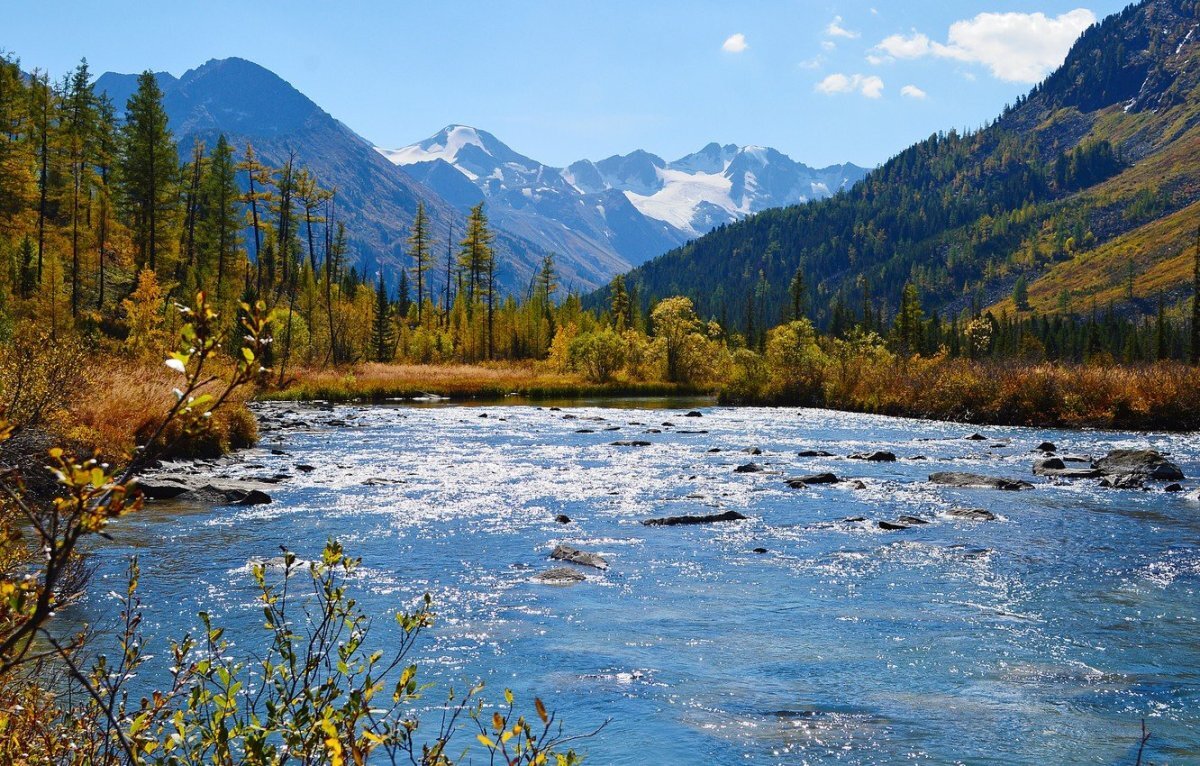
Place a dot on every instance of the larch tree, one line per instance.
(420, 245)
(258, 178)
(105, 156)
(79, 134)
(149, 167)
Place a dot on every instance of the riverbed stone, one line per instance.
(634, 443)
(799, 482)
(575, 556)
(673, 521)
(748, 468)
(814, 453)
(1148, 463)
(891, 526)
(560, 576)
(971, 514)
(878, 456)
(977, 481)
(1056, 467)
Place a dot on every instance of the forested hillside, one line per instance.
(1075, 197)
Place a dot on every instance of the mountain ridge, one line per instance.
(1107, 144)
(631, 206)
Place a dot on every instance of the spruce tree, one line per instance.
(80, 132)
(381, 325)
(796, 289)
(1021, 294)
(420, 244)
(149, 167)
(220, 225)
(619, 306)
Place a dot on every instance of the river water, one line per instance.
(1044, 636)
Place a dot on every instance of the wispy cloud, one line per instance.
(912, 91)
(735, 43)
(869, 86)
(835, 29)
(1016, 47)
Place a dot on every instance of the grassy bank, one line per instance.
(1164, 396)
(384, 382)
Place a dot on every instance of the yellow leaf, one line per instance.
(486, 741)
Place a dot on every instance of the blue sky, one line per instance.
(560, 80)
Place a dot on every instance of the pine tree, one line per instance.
(381, 326)
(907, 331)
(28, 275)
(619, 306)
(80, 132)
(796, 290)
(1021, 294)
(149, 167)
(220, 225)
(420, 244)
(43, 105)
(106, 155)
(1162, 336)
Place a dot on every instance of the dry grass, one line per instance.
(1163, 396)
(123, 404)
(380, 382)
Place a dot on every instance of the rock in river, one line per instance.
(971, 514)
(631, 444)
(976, 481)
(1047, 447)
(560, 576)
(673, 521)
(890, 526)
(814, 453)
(1053, 466)
(575, 556)
(879, 456)
(1140, 462)
(799, 482)
(748, 468)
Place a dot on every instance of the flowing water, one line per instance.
(1042, 637)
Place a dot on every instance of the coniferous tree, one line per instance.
(420, 243)
(258, 178)
(107, 149)
(149, 166)
(42, 108)
(381, 325)
(907, 332)
(796, 291)
(220, 226)
(80, 132)
(619, 307)
(1021, 294)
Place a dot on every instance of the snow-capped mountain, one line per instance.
(626, 208)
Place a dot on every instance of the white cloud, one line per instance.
(912, 91)
(1016, 47)
(735, 43)
(901, 47)
(868, 85)
(828, 45)
(813, 63)
(835, 29)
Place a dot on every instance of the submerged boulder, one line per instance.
(575, 556)
(1139, 462)
(673, 521)
(1054, 466)
(814, 453)
(971, 514)
(799, 482)
(891, 526)
(631, 444)
(976, 481)
(748, 468)
(1047, 447)
(879, 456)
(560, 576)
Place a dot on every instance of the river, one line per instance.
(1044, 636)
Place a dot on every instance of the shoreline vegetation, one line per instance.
(1153, 397)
